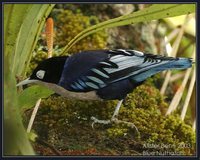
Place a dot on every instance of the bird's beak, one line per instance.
(26, 81)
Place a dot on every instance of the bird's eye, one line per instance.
(40, 74)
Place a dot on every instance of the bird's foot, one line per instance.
(129, 124)
(95, 120)
(113, 120)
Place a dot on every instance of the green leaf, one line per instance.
(31, 28)
(154, 12)
(21, 30)
(13, 18)
(24, 27)
(32, 136)
(15, 137)
(29, 96)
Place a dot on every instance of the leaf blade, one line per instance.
(153, 12)
(28, 35)
(29, 96)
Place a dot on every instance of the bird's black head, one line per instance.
(49, 70)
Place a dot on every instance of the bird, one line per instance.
(102, 74)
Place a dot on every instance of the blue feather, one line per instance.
(114, 73)
(181, 63)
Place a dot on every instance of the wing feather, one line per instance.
(117, 65)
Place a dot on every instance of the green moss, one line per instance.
(117, 132)
(70, 24)
(60, 121)
(144, 110)
(146, 97)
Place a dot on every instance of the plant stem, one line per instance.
(189, 94)
(177, 97)
(174, 52)
(30, 124)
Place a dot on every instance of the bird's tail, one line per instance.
(178, 63)
(181, 63)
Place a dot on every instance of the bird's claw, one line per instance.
(132, 125)
(95, 120)
(113, 120)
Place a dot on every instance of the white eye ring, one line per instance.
(40, 74)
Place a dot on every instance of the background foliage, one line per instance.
(23, 24)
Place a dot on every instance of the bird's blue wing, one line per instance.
(133, 65)
(93, 70)
(77, 67)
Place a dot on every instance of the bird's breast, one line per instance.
(71, 95)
